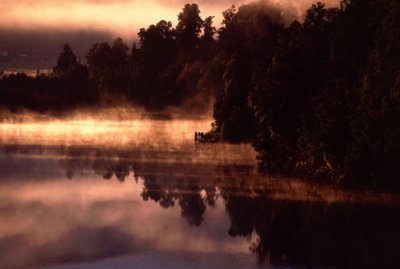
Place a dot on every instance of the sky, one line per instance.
(122, 17)
(31, 27)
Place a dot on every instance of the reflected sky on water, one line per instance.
(142, 194)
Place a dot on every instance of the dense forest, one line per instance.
(317, 97)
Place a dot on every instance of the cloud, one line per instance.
(49, 24)
(123, 17)
(47, 222)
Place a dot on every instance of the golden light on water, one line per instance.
(54, 207)
(163, 141)
(101, 132)
(115, 132)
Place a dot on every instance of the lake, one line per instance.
(84, 193)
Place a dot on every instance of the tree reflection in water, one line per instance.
(280, 231)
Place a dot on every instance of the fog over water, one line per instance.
(86, 192)
(91, 179)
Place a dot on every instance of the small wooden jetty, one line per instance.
(199, 137)
(209, 137)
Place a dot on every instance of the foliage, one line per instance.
(319, 97)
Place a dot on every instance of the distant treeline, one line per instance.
(169, 67)
(318, 97)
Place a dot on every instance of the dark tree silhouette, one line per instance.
(209, 30)
(98, 61)
(318, 97)
(189, 27)
(66, 62)
(234, 118)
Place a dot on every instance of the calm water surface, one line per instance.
(141, 194)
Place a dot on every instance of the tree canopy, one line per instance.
(317, 97)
